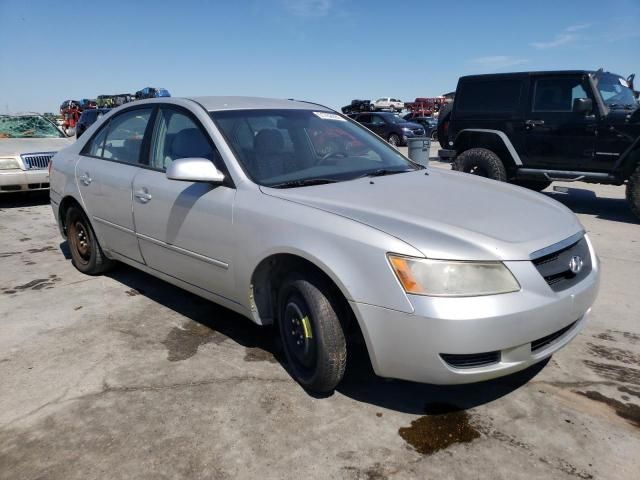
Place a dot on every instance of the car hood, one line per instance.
(18, 146)
(446, 215)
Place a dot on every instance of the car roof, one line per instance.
(251, 103)
(525, 74)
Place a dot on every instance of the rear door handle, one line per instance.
(534, 123)
(86, 178)
(143, 195)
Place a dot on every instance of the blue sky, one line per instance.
(328, 51)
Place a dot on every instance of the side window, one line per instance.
(489, 96)
(94, 147)
(366, 118)
(557, 94)
(124, 139)
(175, 136)
(376, 120)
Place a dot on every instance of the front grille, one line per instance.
(554, 267)
(472, 360)
(37, 161)
(541, 343)
(418, 131)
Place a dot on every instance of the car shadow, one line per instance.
(582, 200)
(24, 199)
(360, 382)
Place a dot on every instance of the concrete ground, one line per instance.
(125, 376)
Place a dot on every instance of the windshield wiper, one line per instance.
(303, 183)
(381, 172)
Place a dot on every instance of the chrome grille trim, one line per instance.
(37, 161)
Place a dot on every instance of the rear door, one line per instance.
(378, 125)
(555, 137)
(185, 229)
(104, 174)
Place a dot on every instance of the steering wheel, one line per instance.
(327, 156)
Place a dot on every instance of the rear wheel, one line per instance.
(481, 162)
(86, 254)
(537, 185)
(311, 332)
(633, 192)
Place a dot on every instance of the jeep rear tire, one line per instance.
(481, 162)
(537, 185)
(633, 192)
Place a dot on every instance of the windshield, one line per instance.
(27, 126)
(277, 147)
(615, 91)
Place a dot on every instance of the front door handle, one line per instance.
(534, 123)
(86, 178)
(143, 195)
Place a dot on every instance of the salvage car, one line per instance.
(27, 143)
(87, 119)
(388, 103)
(449, 278)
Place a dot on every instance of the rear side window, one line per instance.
(124, 138)
(489, 96)
(95, 145)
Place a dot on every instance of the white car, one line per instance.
(27, 143)
(388, 103)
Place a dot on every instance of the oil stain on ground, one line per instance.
(628, 411)
(614, 354)
(432, 433)
(255, 354)
(183, 342)
(615, 372)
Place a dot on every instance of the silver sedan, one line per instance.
(294, 215)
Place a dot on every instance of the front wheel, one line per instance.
(311, 333)
(86, 254)
(481, 162)
(633, 192)
(394, 139)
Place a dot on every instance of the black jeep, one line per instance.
(536, 127)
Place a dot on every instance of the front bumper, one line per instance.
(409, 345)
(21, 180)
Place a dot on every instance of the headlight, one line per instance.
(407, 130)
(450, 278)
(9, 163)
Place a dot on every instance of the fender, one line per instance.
(503, 137)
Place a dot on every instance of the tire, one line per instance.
(311, 333)
(633, 192)
(395, 140)
(444, 118)
(537, 185)
(482, 162)
(434, 135)
(86, 254)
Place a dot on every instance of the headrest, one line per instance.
(268, 140)
(190, 142)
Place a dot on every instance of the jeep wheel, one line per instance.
(394, 140)
(537, 185)
(311, 333)
(86, 254)
(482, 162)
(633, 192)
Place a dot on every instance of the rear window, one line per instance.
(489, 96)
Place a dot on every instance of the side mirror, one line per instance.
(194, 170)
(583, 105)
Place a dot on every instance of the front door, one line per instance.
(185, 229)
(556, 137)
(105, 173)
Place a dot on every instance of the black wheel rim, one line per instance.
(298, 333)
(81, 240)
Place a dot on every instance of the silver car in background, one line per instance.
(291, 214)
(27, 143)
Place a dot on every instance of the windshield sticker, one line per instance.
(623, 82)
(329, 116)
